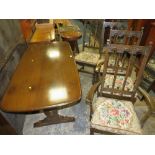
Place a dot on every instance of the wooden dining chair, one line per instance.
(120, 38)
(92, 45)
(113, 109)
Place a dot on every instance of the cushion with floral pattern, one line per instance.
(88, 57)
(111, 70)
(116, 116)
(118, 82)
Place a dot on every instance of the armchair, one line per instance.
(113, 111)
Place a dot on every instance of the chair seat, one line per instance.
(119, 82)
(88, 57)
(115, 116)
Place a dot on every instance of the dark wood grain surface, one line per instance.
(43, 33)
(46, 77)
(71, 35)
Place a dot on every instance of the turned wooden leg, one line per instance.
(91, 131)
(93, 80)
(76, 46)
(94, 76)
(52, 117)
(144, 119)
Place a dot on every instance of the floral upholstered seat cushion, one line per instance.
(115, 116)
(118, 82)
(88, 57)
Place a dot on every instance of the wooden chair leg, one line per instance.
(145, 118)
(91, 131)
(94, 76)
(76, 46)
(94, 79)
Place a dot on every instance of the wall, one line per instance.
(12, 46)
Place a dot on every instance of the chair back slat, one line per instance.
(84, 35)
(104, 73)
(92, 34)
(116, 67)
(95, 35)
(129, 68)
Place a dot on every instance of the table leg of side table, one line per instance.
(74, 46)
(52, 117)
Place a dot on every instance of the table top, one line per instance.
(43, 33)
(71, 35)
(67, 30)
(46, 77)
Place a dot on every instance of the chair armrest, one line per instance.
(150, 101)
(90, 95)
(98, 66)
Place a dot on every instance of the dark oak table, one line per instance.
(44, 33)
(69, 32)
(47, 80)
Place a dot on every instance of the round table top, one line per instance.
(71, 35)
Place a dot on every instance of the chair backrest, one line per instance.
(126, 37)
(115, 25)
(92, 34)
(122, 87)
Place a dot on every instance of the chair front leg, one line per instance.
(91, 113)
(145, 118)
(95, 76)
(91, 131)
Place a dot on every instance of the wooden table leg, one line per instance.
(72, 44)
(76, 46)
(5, 127)
(52, 117)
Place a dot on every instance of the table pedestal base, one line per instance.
(52, 117)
